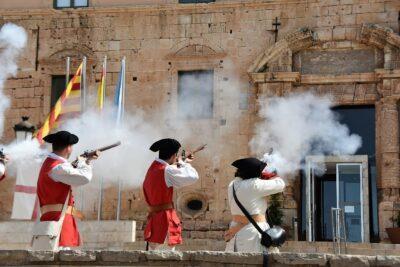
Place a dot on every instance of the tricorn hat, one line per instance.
(167, 145)
(249, 167)
(61, 138)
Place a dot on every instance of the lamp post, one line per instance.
(24, 129)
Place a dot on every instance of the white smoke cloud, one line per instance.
(128, 162)
(12, 40)
(297, 126)
(23, 152)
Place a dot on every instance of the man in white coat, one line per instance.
(251, 191)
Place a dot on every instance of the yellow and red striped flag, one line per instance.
(67, 106)
(101, 91)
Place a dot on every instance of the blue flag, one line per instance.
(120, 94)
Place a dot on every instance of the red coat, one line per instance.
(164, 222)
(52, 192)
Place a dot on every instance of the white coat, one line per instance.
(251, 193)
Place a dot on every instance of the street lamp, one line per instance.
(24, 129)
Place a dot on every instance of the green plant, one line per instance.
(396, 220)
(275, 210)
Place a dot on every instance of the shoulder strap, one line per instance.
(245, 212)
(64, 210)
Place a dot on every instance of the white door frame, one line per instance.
(310, 194)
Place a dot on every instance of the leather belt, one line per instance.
(58, 207)
(241, 221)
(157, 208)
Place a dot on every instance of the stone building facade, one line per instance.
(346, 48)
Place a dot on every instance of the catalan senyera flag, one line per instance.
(102, 88)
(67, 106)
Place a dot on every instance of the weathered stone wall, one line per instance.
(227, 36)
(189, 258)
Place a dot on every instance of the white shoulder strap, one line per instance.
(64, 210)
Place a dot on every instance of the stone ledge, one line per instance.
(189, 258)
(77, 255)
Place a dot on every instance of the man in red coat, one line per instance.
(163, 226)
(56, 177)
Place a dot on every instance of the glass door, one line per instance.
(349, 198)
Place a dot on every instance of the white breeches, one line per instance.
(248, 239)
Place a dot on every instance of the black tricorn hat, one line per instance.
(249, 167)
(61, 138)
(168, 145)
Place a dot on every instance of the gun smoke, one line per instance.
(127, 162)
(297, 126)
(12, 40)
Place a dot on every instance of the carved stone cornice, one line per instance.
(392, 100)
(293, 42)
(387, 74)
(335, 79)
(379, 36)
(266, 77)
(196, 51)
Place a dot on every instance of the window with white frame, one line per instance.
(70, 3)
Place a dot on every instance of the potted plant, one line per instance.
(394, 233)
(275, 210)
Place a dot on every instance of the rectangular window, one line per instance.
(196, 94)
(70, 3)
(195, 1)
(57, 88)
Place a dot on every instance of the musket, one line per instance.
(2, 155)
(200, 148)
(92, 153)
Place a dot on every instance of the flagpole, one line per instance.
(103, 81)
(83, 86)
(122, 116)
(100, 206)
(123, 87)
(119, 199)
(67, 71)
(83, 107)
(105, 77)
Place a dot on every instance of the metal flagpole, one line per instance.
(122, 116)
(119, 199)
(83, 86)
(100, 206)
(83, 107)
(105, 77)
(67, 71)
(123, 87)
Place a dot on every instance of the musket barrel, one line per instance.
(109, 147)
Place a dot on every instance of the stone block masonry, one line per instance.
(164, 37)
